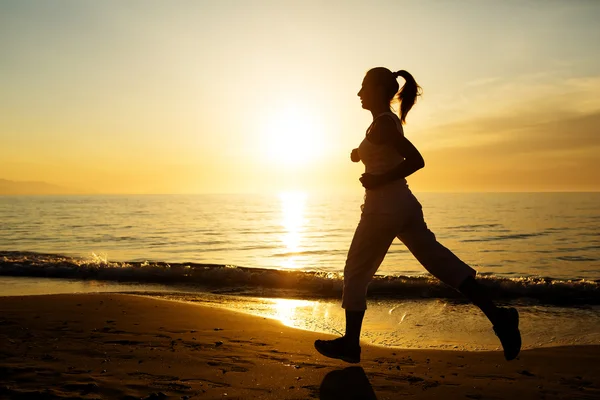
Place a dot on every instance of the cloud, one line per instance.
(489, 115)
(516, 153)
(542, 96)
(539, 136)
(483, 81)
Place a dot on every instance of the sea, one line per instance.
(282, 255)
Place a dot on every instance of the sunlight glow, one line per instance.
(285, 310)
(294, 136)
(189, 97)
(292, 210)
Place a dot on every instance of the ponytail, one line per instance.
(407, 96)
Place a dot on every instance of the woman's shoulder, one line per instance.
(389, 119)
(385, 127)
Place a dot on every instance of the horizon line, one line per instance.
(272, 192)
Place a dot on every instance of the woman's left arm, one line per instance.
(413, 161)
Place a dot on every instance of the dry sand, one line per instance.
(111, 346)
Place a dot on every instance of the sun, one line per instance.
(294, 136)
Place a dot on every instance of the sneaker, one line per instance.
(338, 348)
(507, 330)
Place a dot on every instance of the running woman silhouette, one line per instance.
(390, 210)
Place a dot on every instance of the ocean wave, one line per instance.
(308, 253)
(306, 284)
(506, 237)
(473, 227)
(576, 258)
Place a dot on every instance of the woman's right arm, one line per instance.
(413, 161)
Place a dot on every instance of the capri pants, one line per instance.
(372, 239)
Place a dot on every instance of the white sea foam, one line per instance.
(286, 283)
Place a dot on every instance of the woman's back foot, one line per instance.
(339, 348)
(507, 330)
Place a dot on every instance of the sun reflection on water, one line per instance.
(286, 310)
(292, 211)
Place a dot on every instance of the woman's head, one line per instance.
(380, 86)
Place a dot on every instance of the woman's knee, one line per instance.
(354, 302)
(355, 290)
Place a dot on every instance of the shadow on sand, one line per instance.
(348, 383)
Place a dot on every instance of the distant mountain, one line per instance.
(25, 188)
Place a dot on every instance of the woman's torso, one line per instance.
(378, 159)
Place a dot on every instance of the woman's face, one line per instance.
(370, 94)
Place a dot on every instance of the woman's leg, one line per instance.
(444, 265)
(437, 259)
(372, 239)
(478, 296)
(354, 321)
(448, 268)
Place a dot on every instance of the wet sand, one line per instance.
(112, 346)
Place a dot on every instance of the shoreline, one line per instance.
(119, 346)
(431, 324)
(425, 323)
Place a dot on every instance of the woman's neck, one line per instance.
(376, 111)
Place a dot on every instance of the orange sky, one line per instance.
(232, 96)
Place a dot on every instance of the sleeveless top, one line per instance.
(378, 159)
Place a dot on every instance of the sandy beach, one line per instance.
(113, 346)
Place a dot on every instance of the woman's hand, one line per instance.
(370, 181)
(354, 156)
